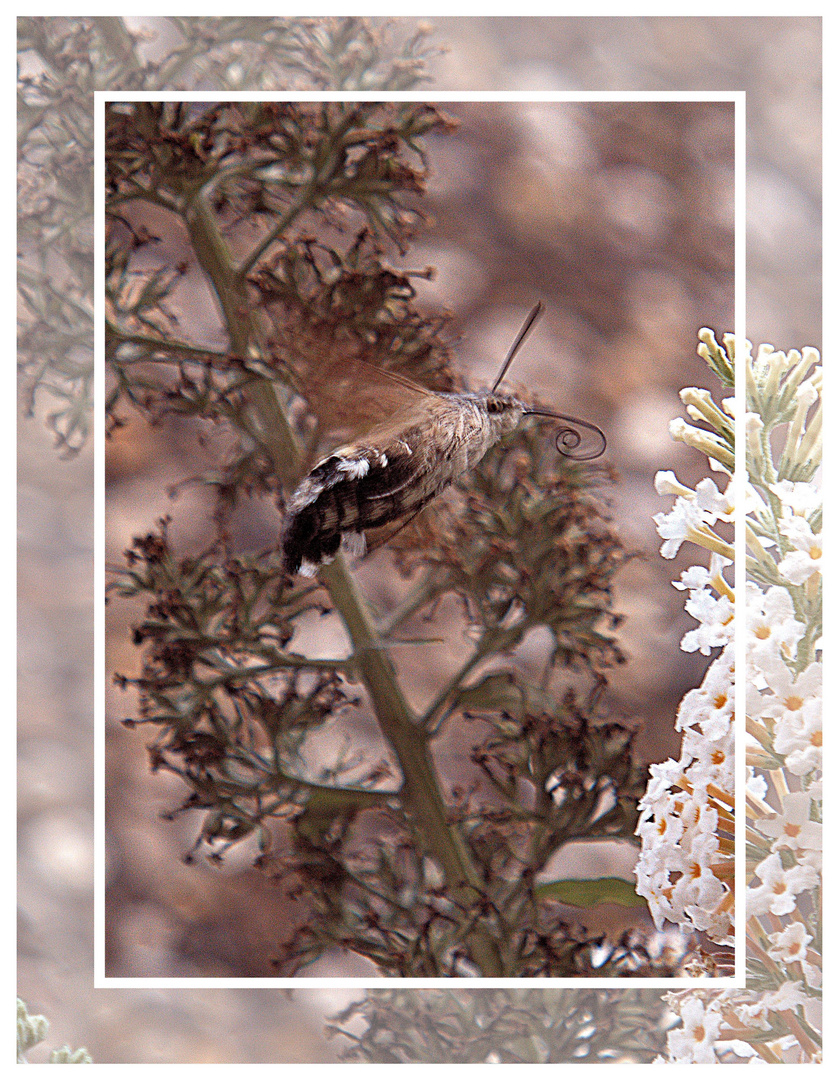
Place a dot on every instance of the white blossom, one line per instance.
(790, 944)
(771, 626)
(800, 498)
(788, 996)
(793, 828)
(800, 564)
(694, 1041)
(779, 887)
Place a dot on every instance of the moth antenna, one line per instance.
(569, 438)
(522, 334)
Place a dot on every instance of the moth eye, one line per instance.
(494, 405)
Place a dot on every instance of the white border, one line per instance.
(100, 980)
(740, 478)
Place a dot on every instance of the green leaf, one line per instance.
(587, 892)
(495, 691)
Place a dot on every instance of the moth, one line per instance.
(399, 465)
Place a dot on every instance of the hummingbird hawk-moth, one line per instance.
(400, 464)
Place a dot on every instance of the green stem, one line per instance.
(430, 719)
(415, 599)
(214, 257)
(421, 792)
(323, 176)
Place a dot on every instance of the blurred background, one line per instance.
(619, 218)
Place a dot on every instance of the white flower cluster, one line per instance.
(686, 867)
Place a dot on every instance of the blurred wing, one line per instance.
(344, 381)
(352, 395)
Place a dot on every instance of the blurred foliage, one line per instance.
(580, 1026)
(61, 62)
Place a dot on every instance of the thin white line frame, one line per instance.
(524, 97)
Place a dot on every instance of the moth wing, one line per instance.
(345, 382)
(414, 483)
(355, 395)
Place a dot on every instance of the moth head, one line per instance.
(571, 442)
(503, 412)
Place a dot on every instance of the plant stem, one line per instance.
(214, 256)
(421, 791)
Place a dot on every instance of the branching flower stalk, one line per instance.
(374, 666)
(686, 869)
(526, 1026)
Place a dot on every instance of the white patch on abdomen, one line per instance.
(354, 468)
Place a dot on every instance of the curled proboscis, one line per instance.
(569, 437)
